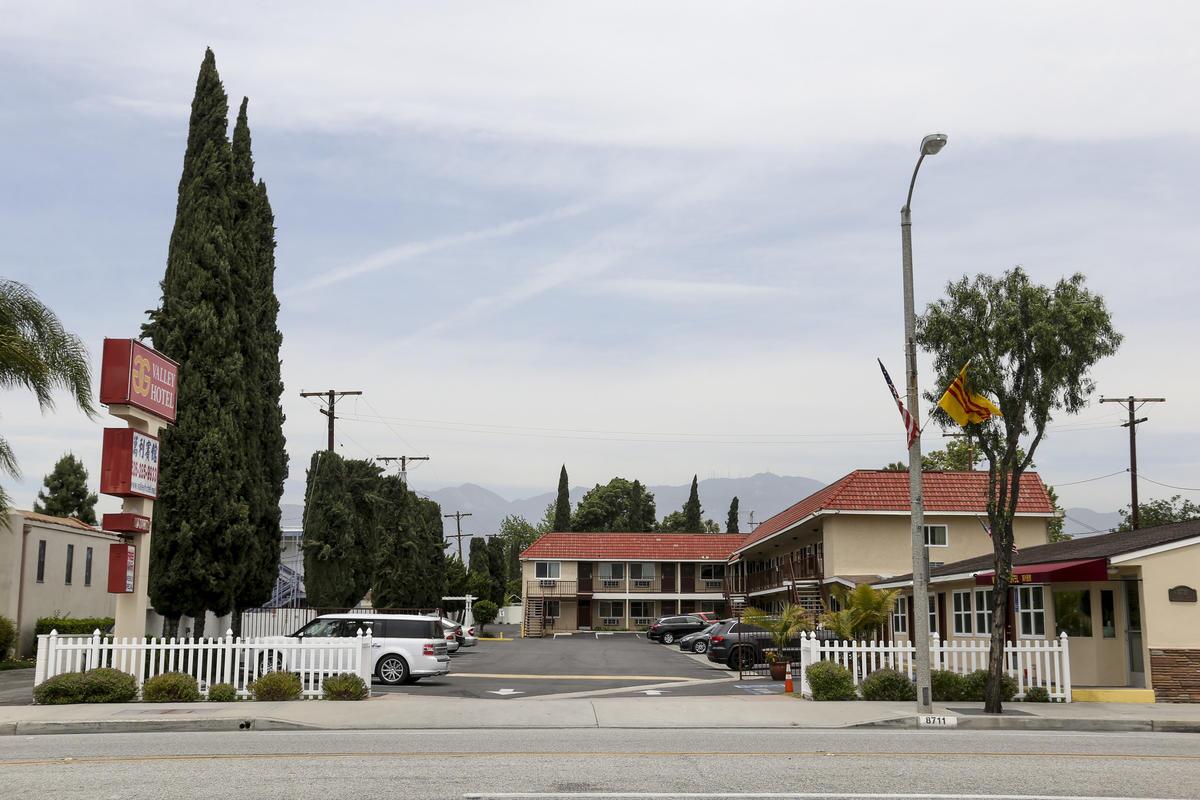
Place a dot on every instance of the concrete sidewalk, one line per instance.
(405, 712)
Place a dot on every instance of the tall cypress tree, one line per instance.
(201, 519)
(339, 537)
(410, 564)
(693, 521)
(731, 522)
(562, 507)
(253, 265)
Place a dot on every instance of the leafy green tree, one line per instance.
(562, 506)
(202, 515)
(497, 569)
(253, 273)
(516, 534)
(693, 520)
(455, 581)
(410, 562)
(38, 354)
(958, 456)
(731, 521)
(485, 613)
(339, 544)
(479, 568)
(675, 522)
(615, 506)
(66, 493)
(1031, 349)
(1054, 527)
(1160, 512)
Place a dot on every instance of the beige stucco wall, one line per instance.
(867, 544)
(1166, 624)
(53, 596)
(567, 571)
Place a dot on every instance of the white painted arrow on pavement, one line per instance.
(652, 692)
(505, 692)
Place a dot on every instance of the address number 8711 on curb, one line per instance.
(937, 721)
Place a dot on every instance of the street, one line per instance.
(458, 763)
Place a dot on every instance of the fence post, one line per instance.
(227, 672)
(43, 656)
(93, 650)
(1066, 666)
(935, 651)
(805, 660)
(365, 658)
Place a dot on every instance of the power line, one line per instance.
(1089, 480)
(330, 396)
(1170, 486)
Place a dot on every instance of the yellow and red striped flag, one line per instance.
(965, 406)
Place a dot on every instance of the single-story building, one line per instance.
(1127, 602)
(51, 566)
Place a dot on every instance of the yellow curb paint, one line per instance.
(519, 677)
(1121, 695)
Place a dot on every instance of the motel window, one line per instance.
(612, 571)
(641, 609)
(936, 536)
(641, 571)
(70, 563)
(933, 614)
(1031, 611)
(983, 612)
(1108, 614)
(1073, 612)
(552, 608)
(87, 567)
(546, 569)
(900, 616)
(712, 572)
(612, 609)
(41, 573)
(962, 613)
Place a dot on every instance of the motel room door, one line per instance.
(1133, 634)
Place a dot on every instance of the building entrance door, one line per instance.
(1133, 635)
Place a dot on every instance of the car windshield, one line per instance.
(322, 628)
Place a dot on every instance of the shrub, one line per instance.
(830, 681)
(70, 626)
(976, 684)
(222, 693)
(948, 687)
(1037, 694)
(60, 690)
(276, 686)
(345, 686)
(171, 687)
(8, 636)
(887, 684)
(93, 686)
(485, 613)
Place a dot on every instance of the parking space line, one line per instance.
(520, 677)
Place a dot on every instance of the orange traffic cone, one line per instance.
(787, 679)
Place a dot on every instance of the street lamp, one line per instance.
(930, 145)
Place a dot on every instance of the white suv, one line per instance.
(407, 647)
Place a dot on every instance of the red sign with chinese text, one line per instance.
(125, 523)
(129, 464)
(133, 374)
(122, 560)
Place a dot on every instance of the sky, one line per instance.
(648, 240)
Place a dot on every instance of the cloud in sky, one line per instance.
(622, 217)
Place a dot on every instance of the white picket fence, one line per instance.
(225, 659)
(1030, 662)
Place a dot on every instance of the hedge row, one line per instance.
(114, 686)
(831, 681)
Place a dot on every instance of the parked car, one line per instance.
(453, 635)
(467, 636)
(740, 645)
(669, 629)
(711, 616)
(697, 642)
(407, 647)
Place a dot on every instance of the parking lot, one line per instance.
(581, 665)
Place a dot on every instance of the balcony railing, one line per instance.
(551, 587)
(798, 567)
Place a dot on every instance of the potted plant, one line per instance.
(783, 628)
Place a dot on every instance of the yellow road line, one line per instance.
(518, 677)
(588, 754)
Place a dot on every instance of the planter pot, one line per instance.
(778, 670)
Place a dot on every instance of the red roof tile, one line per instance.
(881, 490)
(635, 546)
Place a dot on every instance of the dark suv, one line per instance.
(668, 629)
(742, 645)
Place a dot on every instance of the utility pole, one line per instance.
(753, 524)
(458, 515)
(1132, 425)
(330, 396)
(970, 447)
(403, 463)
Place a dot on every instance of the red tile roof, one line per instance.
(635, 546)
(881, 490)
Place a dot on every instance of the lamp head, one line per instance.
(933, 143)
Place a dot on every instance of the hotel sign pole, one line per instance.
(139, 386)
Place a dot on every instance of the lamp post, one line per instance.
(930, 145)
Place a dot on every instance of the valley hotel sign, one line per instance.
(133, 374)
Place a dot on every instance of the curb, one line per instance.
(45, 728)
(1049, 724)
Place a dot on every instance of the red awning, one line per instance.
(1088, 569)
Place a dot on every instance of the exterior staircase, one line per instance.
(807, 595)
(535, 618)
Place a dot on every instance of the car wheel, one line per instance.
(393, 670)
(270, 662)
(668, 637)
(700, 647)
(741, 658)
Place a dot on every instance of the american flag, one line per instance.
(989, 533)
(910, 424)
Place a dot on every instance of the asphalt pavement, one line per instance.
(598, 763)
